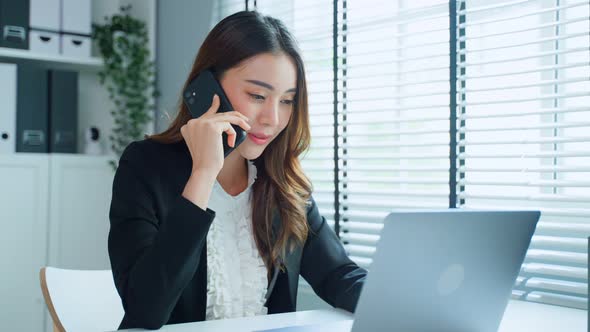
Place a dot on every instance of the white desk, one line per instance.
(519, 317)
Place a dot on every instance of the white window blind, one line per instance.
(310, 21)
(524, 131)
(393, 112)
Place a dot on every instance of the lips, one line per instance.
(259, 139)
(260, 136)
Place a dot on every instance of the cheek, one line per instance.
(285, 119)
(241, 104)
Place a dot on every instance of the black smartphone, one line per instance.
(198, 97)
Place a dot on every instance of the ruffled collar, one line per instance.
(236, 274)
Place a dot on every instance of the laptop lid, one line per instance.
(450, 270)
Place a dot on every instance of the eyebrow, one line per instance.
(268, 86)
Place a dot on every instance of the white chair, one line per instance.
(81, 300)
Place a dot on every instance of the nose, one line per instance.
(269, 115)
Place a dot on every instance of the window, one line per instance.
(524, 131)
(461, 104)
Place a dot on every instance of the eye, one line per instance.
(256, 97)
(287, 102)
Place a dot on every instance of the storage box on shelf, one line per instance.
(44, 22)
(75, 28)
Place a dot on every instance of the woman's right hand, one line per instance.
(203, 137)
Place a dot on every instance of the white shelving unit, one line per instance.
(50, 60)
(55, 206)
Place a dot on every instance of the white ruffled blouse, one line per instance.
(236, 274)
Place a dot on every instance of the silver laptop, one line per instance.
(450, 270)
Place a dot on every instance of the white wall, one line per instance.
(182, 28)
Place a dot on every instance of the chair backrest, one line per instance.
(81, 300)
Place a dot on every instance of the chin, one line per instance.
(251, 153)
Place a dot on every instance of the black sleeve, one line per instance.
(152, 257)
(326, 266)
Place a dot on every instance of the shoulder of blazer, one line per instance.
(150, 150)
(138, 153)
(153, 156)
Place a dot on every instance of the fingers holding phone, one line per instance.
(203, 136)
(214, 106)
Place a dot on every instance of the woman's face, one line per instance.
(263, 89)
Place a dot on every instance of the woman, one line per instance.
(195, 236)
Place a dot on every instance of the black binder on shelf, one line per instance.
(14, 23)
(32, 109)
(7, 108)
(63, 111)
(47, 110)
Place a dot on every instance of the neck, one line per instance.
(233, 176)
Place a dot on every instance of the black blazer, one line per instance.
(157, 246)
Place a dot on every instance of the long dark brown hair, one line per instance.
(281, 186)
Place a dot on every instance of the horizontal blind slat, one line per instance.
(540, 111)
(560, 243)
(579, 302)
(530, 85)
(532, 183)
(555, 270)
(524, 57)
(536, 27)
(557, 256)
(525, 71)
(560, 140)
(557, 285)
(533, 197)
(524, 170)
(523, 15)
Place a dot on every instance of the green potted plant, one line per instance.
(129, 76)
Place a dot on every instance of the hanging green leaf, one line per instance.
(128, 75)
